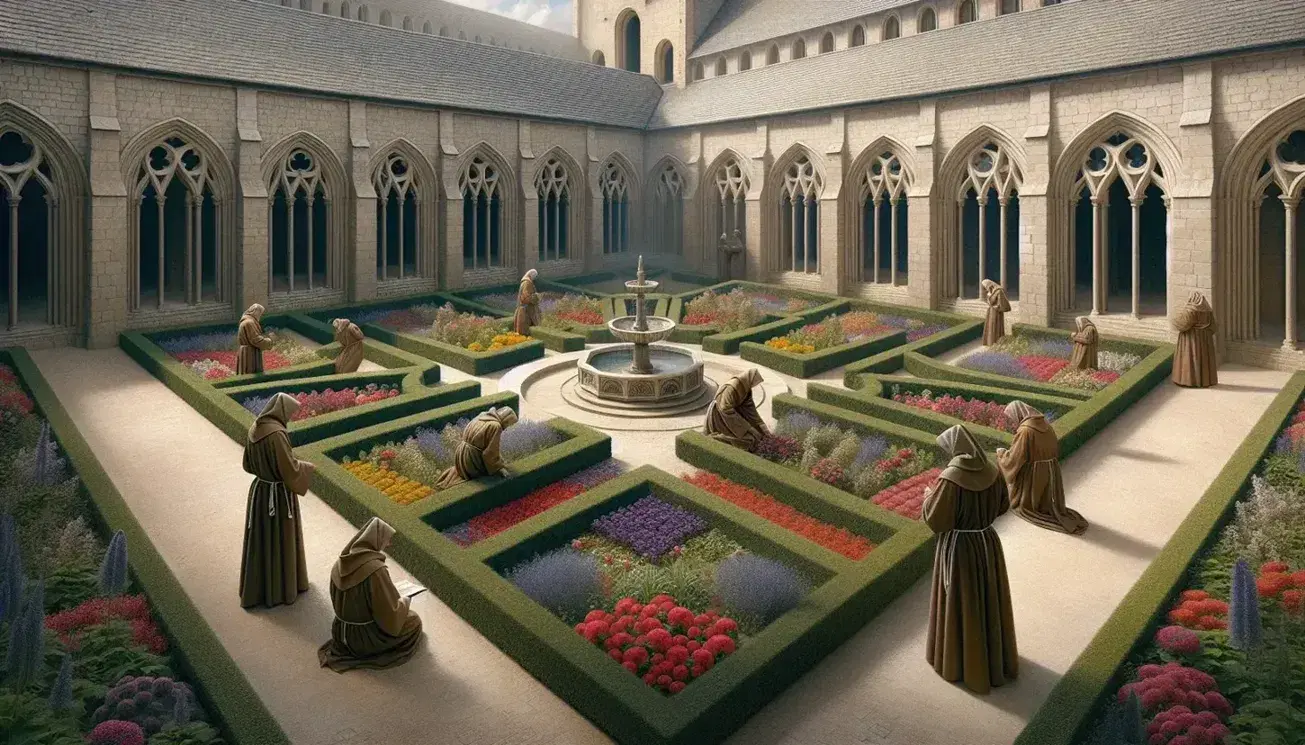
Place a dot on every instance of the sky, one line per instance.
(552, 14)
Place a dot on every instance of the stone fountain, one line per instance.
(641, 373)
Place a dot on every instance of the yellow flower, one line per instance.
(475, 347)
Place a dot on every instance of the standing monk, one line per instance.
(253, 342)
(527, 314)
(732, 417)
(994, 326)
(350, 339)
(478, 453)
(1085, 345)
(971, 624)
(273, 569)
(374, 627)
(1194, 363)
(1032, 471)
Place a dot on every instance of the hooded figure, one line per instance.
(1194, 362)
(350, 339)
(527, 314)
(730, 246)
(994, 326)
(1032, 471)
(253, 342)
(732, 417)
(478, 453)
(1085, 345)
(374, 627)
(273, 569)
(971, 624)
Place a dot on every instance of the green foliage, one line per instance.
(28, 720)
(195, 733)
(69, 587)
(107, 655)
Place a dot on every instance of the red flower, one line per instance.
(1293, 601)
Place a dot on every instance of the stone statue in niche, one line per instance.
(728, 248)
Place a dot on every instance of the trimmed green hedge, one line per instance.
(1072, 705)
(1090, 417)
(926, 367)
(893, 360)
(223, 689)
(806, 365)
(418, 381)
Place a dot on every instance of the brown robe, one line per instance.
(1085, 348)
(273, 567)
(252, 341)
(1194, 360)
(994, 325)
(374, 627)
(350, 338)
(971, 622)
(1031, 468)
(527, 314)
(733, 418)
(478, 453)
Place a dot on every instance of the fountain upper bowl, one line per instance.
(659, 328)
(645, 286)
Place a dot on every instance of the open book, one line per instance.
(407, 588)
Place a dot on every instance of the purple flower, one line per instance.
(528, 437)
(564, 581)
(796, 424)
(1244, 628)
(1058, 348)
(995, 363)
(759, 588)
(872, 448)
(595, 475)
(255, 404)
(650, 527)
(505, 300)
(207, 342)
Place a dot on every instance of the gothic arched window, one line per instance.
(615, 189)
(482, 215)
(799, 217)
(553, 186)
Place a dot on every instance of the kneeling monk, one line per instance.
(971, 624)
(273, 568)
(350, 339)
(478, 453)
(733, 418)
(374, 628)
(1032, 471)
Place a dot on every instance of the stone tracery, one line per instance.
(799, 217)
(482, 213)
(615, 189)
(991, 183)
(667, 221)
(883, 183)
(399, 212)
(553, 188)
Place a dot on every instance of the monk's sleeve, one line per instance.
(749, 411)
(1184, 321)
(1004, 306)
(493, 457)
(294, 472)
(388, 608)
(250, 468)
(1012, 460)
(1004, 491)
(355, 334)
(1078, 338)
(939, 511)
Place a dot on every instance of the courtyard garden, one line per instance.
(211, 355)
(1044, 359)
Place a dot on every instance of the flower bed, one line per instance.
(212, 355)
(75, 640)
(906, 497)
(834, 538)
(848, 328)
(731, 311)
(316, 403)
(843, 458)
(973, 410)
(407, 320)
(1229, 661)
(557, 310)
(541, 500)
(653, 552)
(408, 471)
(1045, 359)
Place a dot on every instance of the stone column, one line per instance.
(526, 167)
(1191, 227)
(831, 209)
(106, 315)
(451, 225)
(250, 254)
(757, 266)
(361, 270)
(922, 268)
(1040, 262)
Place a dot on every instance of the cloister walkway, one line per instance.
(182, 478)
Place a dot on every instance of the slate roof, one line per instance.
(742, 22)
(1053, 42)
(272, 46)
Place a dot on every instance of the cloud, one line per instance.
(550, 14)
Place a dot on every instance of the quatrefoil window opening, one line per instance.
(480, 178)
(884, 178)
(801, 180)
(1286, 162)
(27, 162)
(1119, 156)
(170, 159)
(552, 180)
(730, 182)
(990, 168)
(669, 184)
(395, 176)
(613, 183)
(300, 175)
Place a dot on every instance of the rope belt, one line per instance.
(271, 502)
(950, 539)
(355, 623)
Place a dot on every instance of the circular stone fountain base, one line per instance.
(580, 397)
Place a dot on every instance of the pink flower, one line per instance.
(1178, 640)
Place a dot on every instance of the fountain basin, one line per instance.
(623, 328)
(605, 374)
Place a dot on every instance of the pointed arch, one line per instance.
(1119, 170)
(791, 198)
(59, 178)
(616, 190)
(629, 40)
(876, 206)
(727, 181)
(407, 208)
(181, 215)
(668, 188)
(308, 206)
(1260, 261)
(557, 183)
(487, 186)
(978, 185)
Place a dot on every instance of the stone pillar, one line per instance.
(530, 219)
(923, 271)
(1191, 259)
(106, 315)
(251, 250)
(361, 271)
(592, 231)
(698, 257)
(831, 209)
(757, 266)
(451, 225)
(1039, 263)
